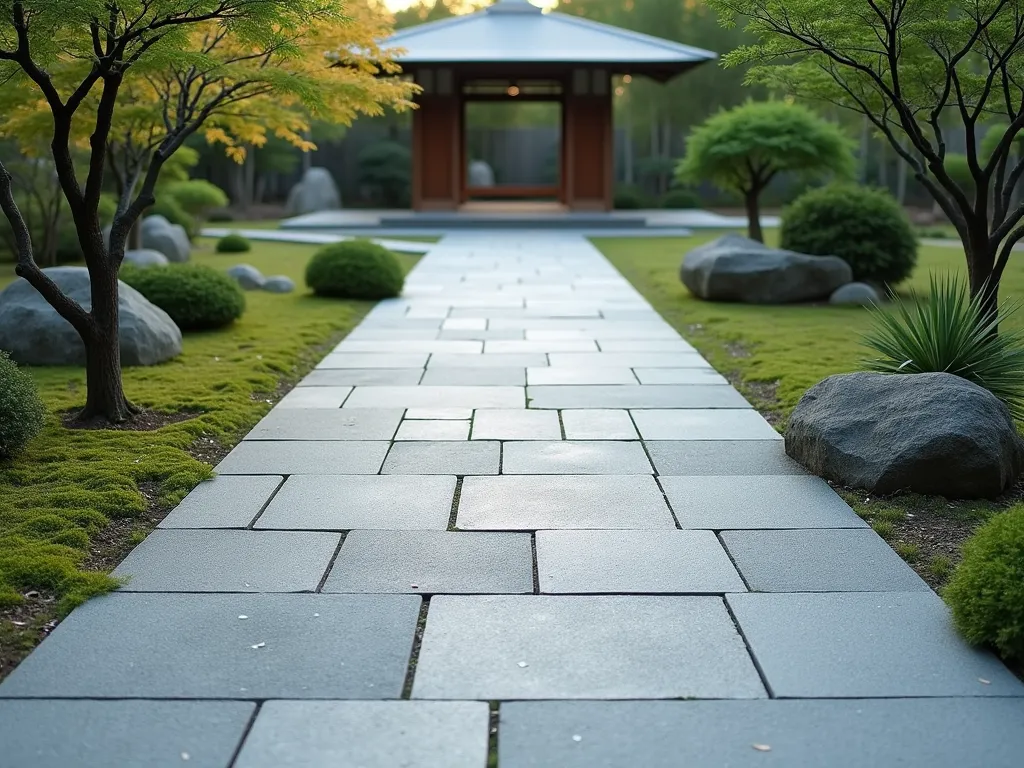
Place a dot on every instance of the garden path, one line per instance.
(513, 510)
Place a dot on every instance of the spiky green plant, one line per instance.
(950, 332)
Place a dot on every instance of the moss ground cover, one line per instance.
(74, 503)
(773, 354)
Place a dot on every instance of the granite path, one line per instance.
(512, 511)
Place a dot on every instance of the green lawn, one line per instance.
(773, 354)
(77, 500)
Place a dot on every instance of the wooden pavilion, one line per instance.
(514, 51)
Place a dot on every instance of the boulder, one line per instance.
(34, 334)
(247, 276)
(858, 294)
(480, 174)
(734, 268)
(930, 433)
(279, 284)
(158, 234)
(316, 192)
(145, 258)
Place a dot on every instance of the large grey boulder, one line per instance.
(144, 257)
(279, 284)
(247, 276)
(316, 192)
(480, 174)
(931, 433)
(34, 334)
(171, 240)
(734, 268)
(855, 294)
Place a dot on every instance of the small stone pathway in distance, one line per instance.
(516, 484)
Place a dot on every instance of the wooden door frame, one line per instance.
(557, 191)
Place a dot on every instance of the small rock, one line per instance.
(258, 645)
(171, 240)
(761, 747)
(577, 737)
(278, 284)
(859, 294)
(930, 433)
(523, 664)
(247, 276)
(734, 268)
(243, 617)
(144, 257)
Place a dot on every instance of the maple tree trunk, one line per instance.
(753, 207)
(105, 396)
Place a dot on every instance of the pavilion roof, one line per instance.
(516, 31)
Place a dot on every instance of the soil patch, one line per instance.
(143, 421)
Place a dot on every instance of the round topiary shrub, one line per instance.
(680, 198)
(233, 243)
(986, 592)
(22, 414)
(198, 298)
(628, 199)
(356, 269)
(864, 227)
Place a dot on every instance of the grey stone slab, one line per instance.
(592, 647)
(645, 345)
(704, 424)
(437, 429)
(293, 457)
(344, 502)
(229, 561)
(629, 360)
(55, 733)
(598, 424)
(474, 457)
(368, 734)
(444, 414)
(602, 329)
(575, 457)
(721, 457)
(315, 397)
(766, 501)
(359, 377)
(651, 562)
(529, 503)
(367, 332)
(228, 501)
(938, 733)
(512, 347)
(819, 561)
(511, 377)
(492, 360)
(695, 396)
(679, 376)
(436, 397)
(516, 424)
(322, 424)
(135, 645)
(512, 313)
(569, 375)
(865, 644)
(383, 346)
(464, 324)
(433, 562)
(488, 335)
(373, 360)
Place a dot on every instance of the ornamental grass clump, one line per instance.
(986, 592)
(949, 331)
(22, 413)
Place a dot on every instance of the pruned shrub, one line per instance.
(356, 269)
(948, 331)
(680, 198)
(233, 243)
(864, 227)
(385, 169)
(196, 196)
(629, 199)
(168, 207)
(22, 414)
(986, 592)
(197, 297)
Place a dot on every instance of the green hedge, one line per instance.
(233, 243)
(21, 411)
